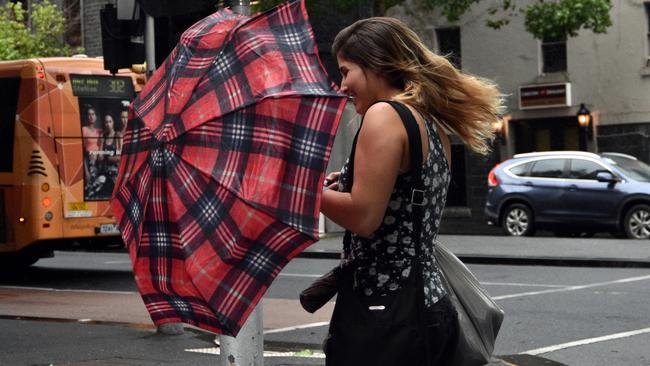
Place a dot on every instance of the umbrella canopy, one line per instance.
(223, 164)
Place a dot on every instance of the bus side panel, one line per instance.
(36, 177)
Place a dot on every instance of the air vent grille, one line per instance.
(36, 165)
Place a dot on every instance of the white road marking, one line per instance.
(572, 288)
(583, 342)
(289, 329)
(70, 290)
(304, 354)
(117, 262)
(520, 284)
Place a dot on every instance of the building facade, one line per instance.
(545, 83)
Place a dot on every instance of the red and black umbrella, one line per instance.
(223, 164)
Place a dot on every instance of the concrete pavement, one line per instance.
(600, 252)
(126, 336)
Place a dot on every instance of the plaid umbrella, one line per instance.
(223, 163)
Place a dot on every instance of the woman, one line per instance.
(381, 59)
(111, 142)
(111, 149)
(91, 136)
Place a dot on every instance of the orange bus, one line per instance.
(61, 127)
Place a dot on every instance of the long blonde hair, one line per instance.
(464, 104)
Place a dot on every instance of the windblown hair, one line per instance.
(466, 105)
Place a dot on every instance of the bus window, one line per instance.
(9, 88)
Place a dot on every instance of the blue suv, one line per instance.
(570, 193)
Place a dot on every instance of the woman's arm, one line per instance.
(101, 143)
(378, 155)
(118, 149)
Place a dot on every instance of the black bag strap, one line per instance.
(417, 214)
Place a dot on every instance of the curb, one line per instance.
(519, 260)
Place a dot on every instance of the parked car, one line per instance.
(570, 193)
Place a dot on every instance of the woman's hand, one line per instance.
(332, 181)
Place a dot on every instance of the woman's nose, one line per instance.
(344, 87)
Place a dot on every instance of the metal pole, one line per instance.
(247, 349)
(241, 7)
(150, 44)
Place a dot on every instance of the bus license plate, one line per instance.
(77, 206)
(108, 229)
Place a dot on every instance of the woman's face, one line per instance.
(91, 116)
(124, 119)
(109, 124)
(360, 84)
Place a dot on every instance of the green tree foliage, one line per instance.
(40, 35)
(565, 18)
(543, 18)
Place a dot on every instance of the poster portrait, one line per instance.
(103, 112)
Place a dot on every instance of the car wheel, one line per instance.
(637, 222)
(518, 220)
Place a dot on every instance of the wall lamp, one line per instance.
(584, 120)
(497, 127)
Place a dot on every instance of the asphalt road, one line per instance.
(573, 316)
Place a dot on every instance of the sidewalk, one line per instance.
(126, 336)
(601, 252)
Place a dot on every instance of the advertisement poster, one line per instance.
(103, 109)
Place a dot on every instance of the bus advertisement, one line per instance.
(61, 127)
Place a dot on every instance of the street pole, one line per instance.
(150, 44)
(247, 349)
(242, 7)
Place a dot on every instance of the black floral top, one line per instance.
(383, 260)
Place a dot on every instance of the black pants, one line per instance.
(442, 329)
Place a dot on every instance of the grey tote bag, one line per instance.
(479, 316)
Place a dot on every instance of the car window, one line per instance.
(548, 168)
(634, 169)
(584, 169)
(521, 170)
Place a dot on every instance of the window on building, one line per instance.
(548, 168)
(9, 96)
(553, 55)
(449, 44)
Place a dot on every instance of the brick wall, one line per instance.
(92, 36)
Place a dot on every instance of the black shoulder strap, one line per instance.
(417, 186)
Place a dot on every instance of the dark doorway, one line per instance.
(457, 194)
(562, 133)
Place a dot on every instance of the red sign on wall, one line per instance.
(544, 96)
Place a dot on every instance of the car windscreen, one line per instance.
(634, 169)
